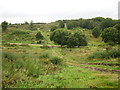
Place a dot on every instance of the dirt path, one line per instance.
(74, 63)
(95, 69)
(25, 44)
(102, 70)
(106, 64)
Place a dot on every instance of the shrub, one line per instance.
(39, 36)
(111, 43)
(55, 60)
(61, 24)
(20, 32)
(4, 25)
(110, 35)
(63, 37)
(44, 55)
(106, 23)
(32, 26)
(106, 54)
(114, 53)
(53, 28)
(96, 32)
(59, 36)
(9, 56)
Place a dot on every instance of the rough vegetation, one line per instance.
(59, 54)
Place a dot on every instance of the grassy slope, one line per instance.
(48, 75)
(36, 69)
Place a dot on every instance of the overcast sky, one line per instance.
(18, 11)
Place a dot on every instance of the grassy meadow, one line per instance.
(26, 64)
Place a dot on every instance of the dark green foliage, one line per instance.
(98, 19)
(91, 23)
(76, 39)
(4, 25)
(56, 60)
(81, 39)
(117, 26)
(108, 22)
(115, 53)
(72, 24)
(63, 37)
(96, 32)
(111, 43)
(110, 35)
(85, 24)
(71, 41)
(26, 22)
(61, 24)
(69, 26)
(39, 36)
(59, 36)
(31, 26)
(19, 32)
(53, 28)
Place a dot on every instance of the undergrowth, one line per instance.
(114, 53)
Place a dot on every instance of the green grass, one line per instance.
(102, 67)
(33, 66)
(106, 54)
(56, 60)
(72, 77)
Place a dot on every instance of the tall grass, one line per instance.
(9, 56)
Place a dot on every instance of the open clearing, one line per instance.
(27, 64)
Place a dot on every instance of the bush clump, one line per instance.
(63, 37)
(44, 55)
(115, 53)
(56, 60)
(20, 32)
(53, 28)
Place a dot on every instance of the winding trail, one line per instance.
(25, 44)
(75, 64)
(95, 69)
(106, 64)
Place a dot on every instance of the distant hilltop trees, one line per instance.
(106, 28)
(4, 25)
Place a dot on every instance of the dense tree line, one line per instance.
(89, 23)
(99, 26)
